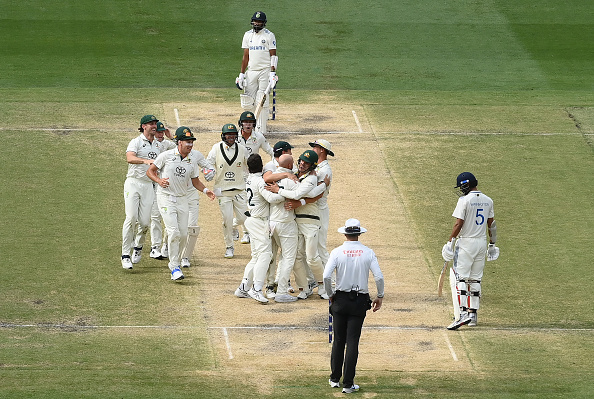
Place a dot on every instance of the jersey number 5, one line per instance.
(480, 217)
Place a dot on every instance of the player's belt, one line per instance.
(307, 216)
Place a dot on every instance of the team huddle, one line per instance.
(282, 209)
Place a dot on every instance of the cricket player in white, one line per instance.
(323, 149)
(229, 159)
(258, 223)
(156, 227)
(173, 170)
(258, 67)
(138, 188)
(474, 216)
(308, 222)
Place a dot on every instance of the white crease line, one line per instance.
(451, 348)
(176, 117)
(357, 121)
(227, 343)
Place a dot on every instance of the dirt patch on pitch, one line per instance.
(407, 334)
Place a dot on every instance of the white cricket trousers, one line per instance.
(174, 211)
(256, 84)
(228, 205)
(286, 237)
(138, 199)
(307, 255)
(156, 227)
(194, 210)
(323, 235)
(469, 264)
(261, 246)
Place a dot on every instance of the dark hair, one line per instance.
(254, 163)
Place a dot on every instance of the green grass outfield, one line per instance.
(500, 88)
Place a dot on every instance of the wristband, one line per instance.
(302, 201)
(205, 190)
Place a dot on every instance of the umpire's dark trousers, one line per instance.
(348, 313)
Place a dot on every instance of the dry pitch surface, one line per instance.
(407, 334)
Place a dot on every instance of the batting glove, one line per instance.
(492, 252)
(447, 252)
(240, 81)
(272, 80)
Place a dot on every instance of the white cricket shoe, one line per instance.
(351, 389)
(302, 295)
(245, 239)
(334, 384)
(229, 252)
(322, 293)
(176, 274)
(270, 294)
(165, 251)
(136, 255)
(462, 321)
(285, 298)
(473, 319)
(185, 262)
(241, 293)
(126, 263)
(155, 253)
(257, 295)
(235, 234)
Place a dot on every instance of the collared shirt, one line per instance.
(258, 198)
(322, 170)
(255, 142)
(259, 45)
(352, 262)
(180, 172)
(143, 148)
(474, 208)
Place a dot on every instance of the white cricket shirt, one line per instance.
(143, 148)
(258, 198)
(259, 45)
(179, 171)
(474, 208)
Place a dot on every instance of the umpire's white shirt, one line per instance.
(474, 208)
(352, 262)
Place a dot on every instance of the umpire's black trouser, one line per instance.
(348, 312)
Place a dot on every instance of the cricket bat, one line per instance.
(441, 278)
(263, 100)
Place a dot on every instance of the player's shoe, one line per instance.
(165, 251)
(245, 239)
(136, 255)
(473, 319)
(462, 321)
(185, 262)
(176, 274)
(229, 252)
(322, 293)
(155, 253)
(302, 295)
(235, 234)
(257, 295)
(241, 293)
(334, 384)
(126, 262)
(351, 389)
(270, 294)
(285, 298)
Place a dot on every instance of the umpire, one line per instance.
(350, 302)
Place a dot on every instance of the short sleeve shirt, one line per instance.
(259, 45)
(474, 208)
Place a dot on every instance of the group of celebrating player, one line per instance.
(279, 206)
